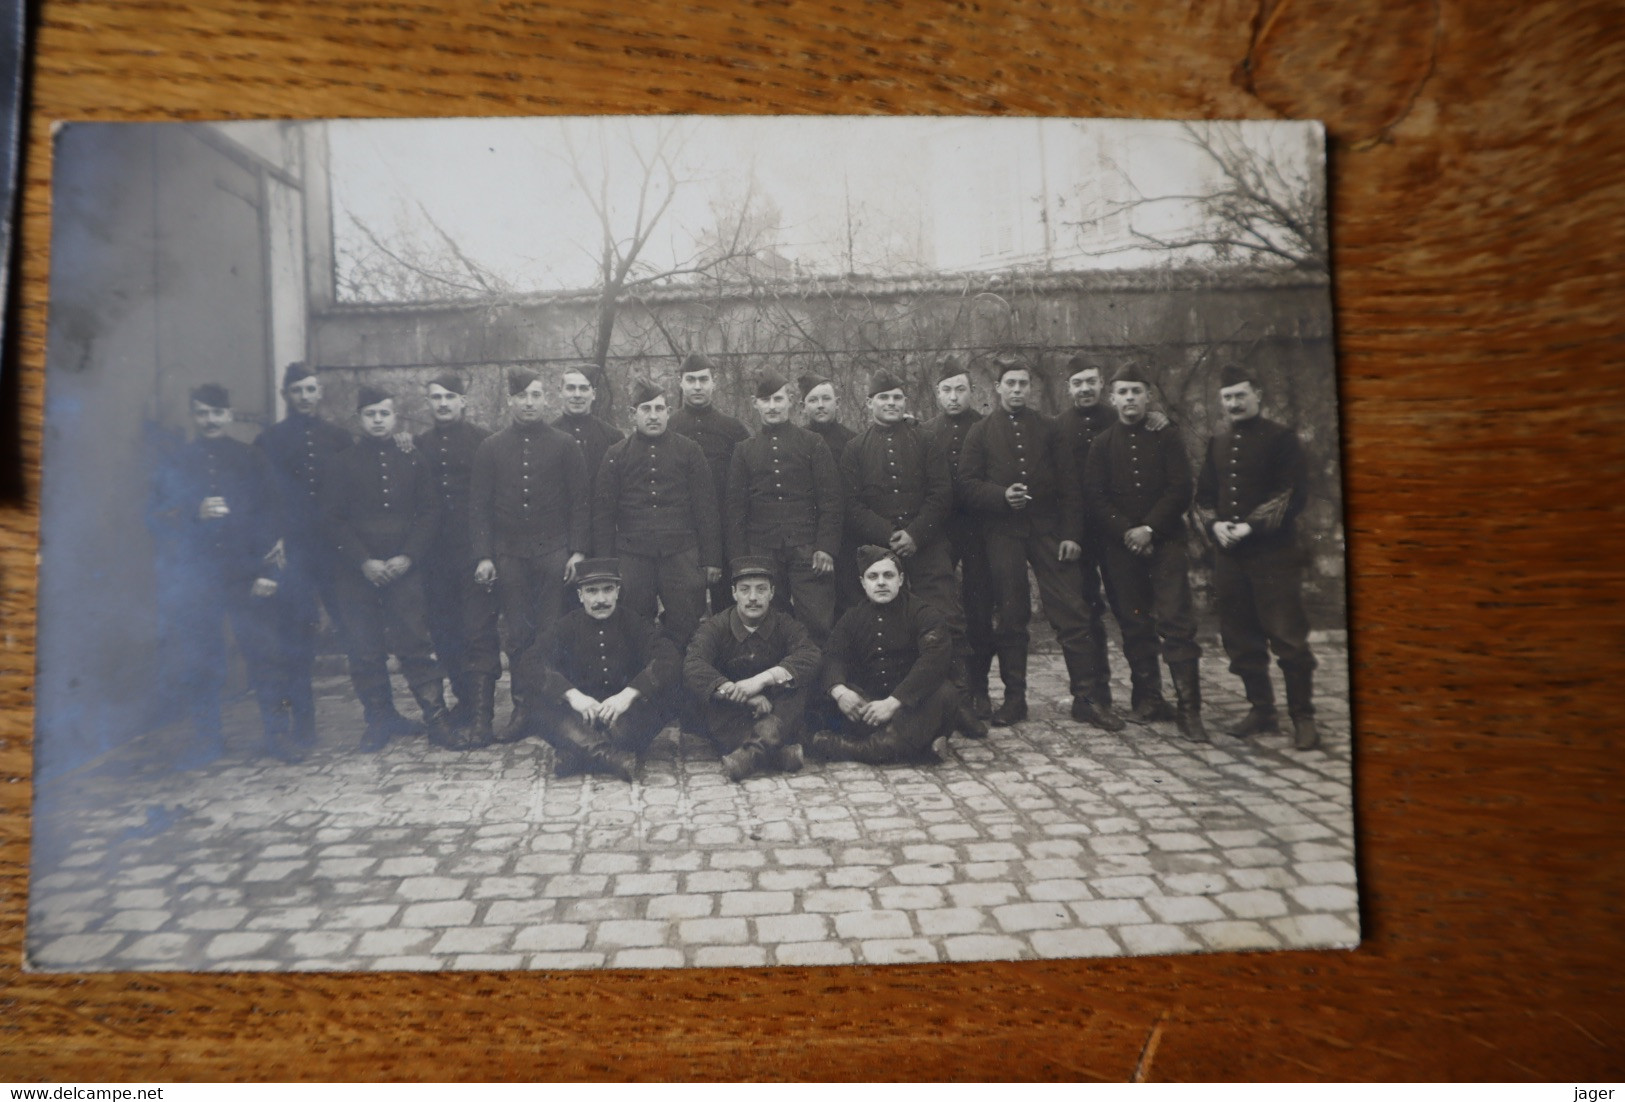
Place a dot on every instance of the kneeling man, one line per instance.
(749, 668)
(596, 683)
(886, 668)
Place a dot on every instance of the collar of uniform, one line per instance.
(1016, 414)
(533, 428)
(962, 416)
(737, 623)
(653, 441)
(568, 418)
(776, 429)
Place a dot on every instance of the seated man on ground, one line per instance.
(596, 683)
(886, 669)
(749, 669)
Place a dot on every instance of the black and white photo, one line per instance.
(569, 543)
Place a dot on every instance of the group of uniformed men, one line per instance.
(860, 585)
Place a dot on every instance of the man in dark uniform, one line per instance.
(750, 669)
(819, 401)
(886, 669)
(967, 549)
(784, 502)
(1013, 471)
(215, 516)
(717, 434)
(1253, 485)
(653, 506)
(299, 447)
(599, 681)
(462, 613)
(1086, 418)
(530, 520)
(1138, 483)
(381, 507)
(593, 434)
(899, 495)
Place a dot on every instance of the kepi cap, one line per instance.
(750, 566)
(212, 394)
(371, 396)
(598, 570)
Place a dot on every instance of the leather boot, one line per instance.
(520, 725)
(208, 743)
(1259, 720)
(481, 709)
(1013, 672)
(431, 699)
(968, 723)
(279, 742)
(1300, 705)
(1149, 705)
(880, 748)
(462, 687)
(1188, 687)
(383, 722)
(1085, 710)
(759, 751)
(977, 668)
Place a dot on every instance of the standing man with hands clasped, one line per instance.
(653, 508)
(1253, 485)
(1014, 472)
(380, 507)
(717, 434)
(1138, 483)
(530, 521)
(784, 504)
(215, 517)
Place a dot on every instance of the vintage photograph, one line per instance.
(563, 543)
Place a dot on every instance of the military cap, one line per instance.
(694, 362)
(870, 553)
(769, 383)
(645, 391)
(371, 396)
(1012, 361)
(598, 570)
(213, 395)
(450, 380)
(1235, 374)
(810, 382)
(520, 378)
(882, 381)
(951, 366)
(1131, 371)
(294, 372)
(1080, 363)
(750, 566)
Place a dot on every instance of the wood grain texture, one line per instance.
(1478, 214)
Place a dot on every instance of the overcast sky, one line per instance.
(504, 189)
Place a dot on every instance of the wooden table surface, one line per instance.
(1477, 170)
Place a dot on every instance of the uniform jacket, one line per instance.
(716, 434)
(529, 494)
(834, 434)
(232, 547)
(594, 436)
(898, 649)
(449, 449)
(379, 501)
(653, 496)
(896, 477)
(602, 657)
(1079, 427)
(950, 433)
(1138, 477)
(783, 491)
(299, 448)
(724, 650)
(1254, 471)
(1004, 448)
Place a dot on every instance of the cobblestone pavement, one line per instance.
(1048, 840)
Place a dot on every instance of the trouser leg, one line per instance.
(1007, 565)
(640, 584)
(812, 595)
(296, 617)
(976, 597)
(1173, 610)
(638, 726)
(1242, 635)
(253, 624)
(1095, 600)
(930, 573)
(1129, 577)
(1061, 590)
(681, 584)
